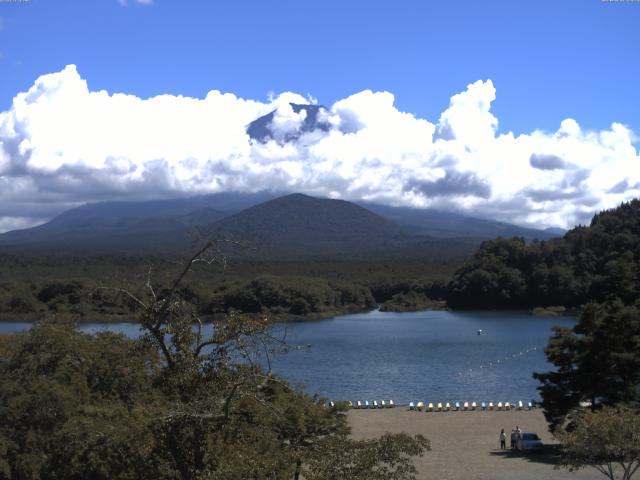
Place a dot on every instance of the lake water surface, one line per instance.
(433, 356)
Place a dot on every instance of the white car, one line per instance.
(528, 441)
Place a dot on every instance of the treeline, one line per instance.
(91, 288)
(596, 263)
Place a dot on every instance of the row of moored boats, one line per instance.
(457, 406)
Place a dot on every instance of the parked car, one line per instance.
(528, 441)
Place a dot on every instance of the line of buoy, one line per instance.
(484, 366)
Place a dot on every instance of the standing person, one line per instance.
(503, 440)
(513, 439)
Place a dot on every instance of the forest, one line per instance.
(598, 262)
(87, 287)
(590, 263)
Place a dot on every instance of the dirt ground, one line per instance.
(466, 445)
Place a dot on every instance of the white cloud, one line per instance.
(62, 144)
(18, 223)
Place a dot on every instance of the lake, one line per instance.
(433, 356)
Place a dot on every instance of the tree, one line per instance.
(607, 440)
(190, 399)
(597, 361)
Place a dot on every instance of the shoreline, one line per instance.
(287, 318)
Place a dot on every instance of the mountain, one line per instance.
(261, 129)
(299, 225)
(155, 226)
(440, 224)
(286, 227)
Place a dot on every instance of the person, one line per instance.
(518, 434)
(513, 439)
(503, 440)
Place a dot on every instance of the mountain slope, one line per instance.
(440, 224)
(261, 129)
(154, 226)
(299, 225)
(293, 226)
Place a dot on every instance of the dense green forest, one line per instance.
(88, 287)
(594, 263)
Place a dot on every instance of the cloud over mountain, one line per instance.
(62, 144)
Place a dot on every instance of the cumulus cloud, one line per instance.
(62, 144)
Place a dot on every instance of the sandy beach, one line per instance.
(465, 445)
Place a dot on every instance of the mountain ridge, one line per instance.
(292, 225)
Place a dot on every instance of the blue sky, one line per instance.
(521, 111)
(548, 59)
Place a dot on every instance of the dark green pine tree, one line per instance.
(597, 361)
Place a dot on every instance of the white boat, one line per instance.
(484, 406)
(391, 404)
(520, 406)
(447, 406)
(375, 404)
(430, 407)
(457, 406)
(382, 404)
(366, 404)
(474, 405)
(480, 332)
(412, 406)
(358, 404)
(350, 404)
(439, 406)
(466, 406)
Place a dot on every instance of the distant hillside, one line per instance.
(440, 224)
(299, 225)
(155, 226)
(597, 262)
(293, 226)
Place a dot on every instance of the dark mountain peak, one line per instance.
(300, 211)
(299, 225)
(261, 129)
